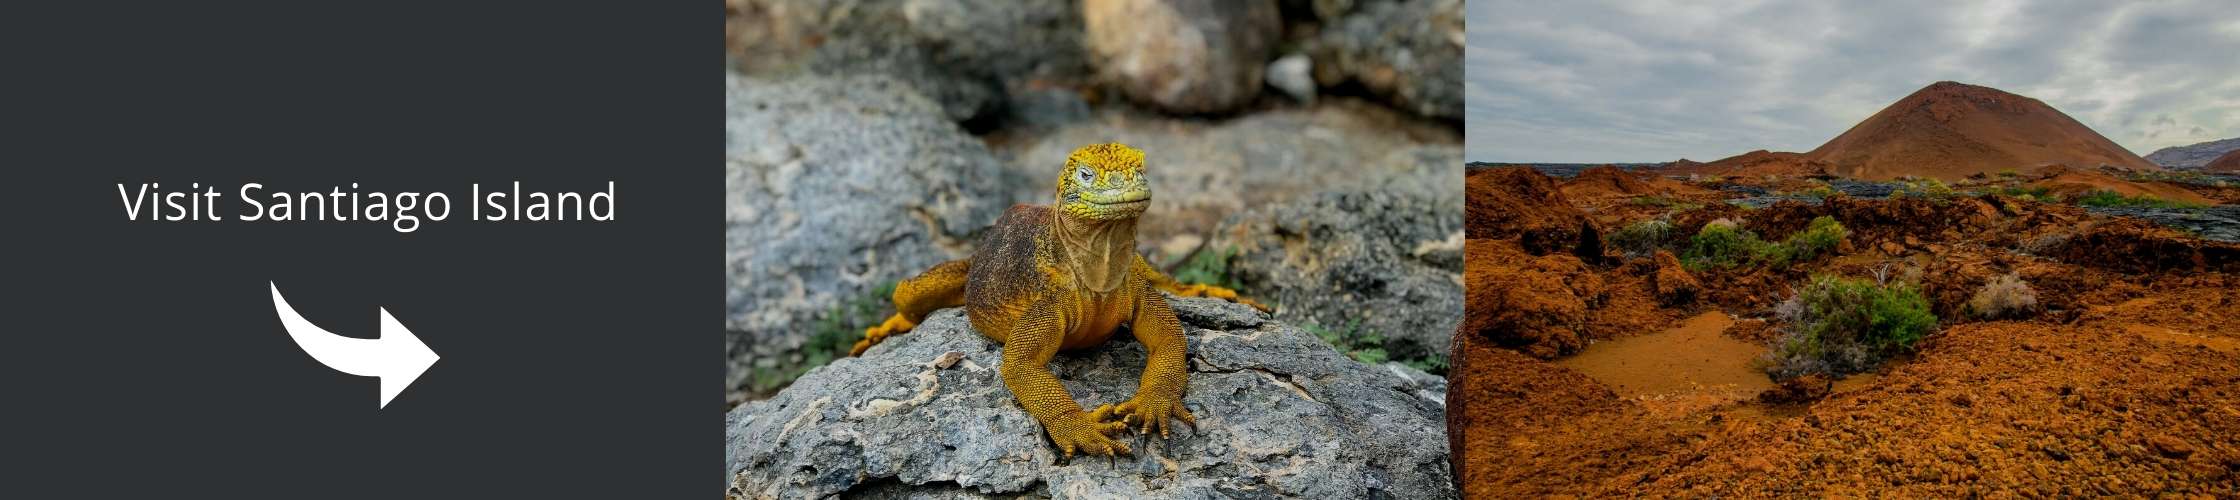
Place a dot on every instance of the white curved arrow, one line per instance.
(397, 357)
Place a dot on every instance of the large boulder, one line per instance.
(1410, 52)
(925, 415)
(969, 56)
(825, 203)
(1383, 257)
(1184, 56)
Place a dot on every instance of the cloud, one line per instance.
(1617, 80)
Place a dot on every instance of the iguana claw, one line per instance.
(1154, 412)
(1205, 290)
(895, 325)
(1090, 434)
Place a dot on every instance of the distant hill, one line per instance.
(1751, 164)
(1557, 170)
(2227, 164)
(1950, 130)
(2193, 155)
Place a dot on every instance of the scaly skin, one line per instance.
(1066, 276)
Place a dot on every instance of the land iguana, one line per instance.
(1063, 277)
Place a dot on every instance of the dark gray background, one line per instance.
(139, 358)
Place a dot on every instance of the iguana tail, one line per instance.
(914, 298)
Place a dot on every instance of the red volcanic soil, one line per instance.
(2229, 163)
(1577, 373)
(1752, 164)
(1608, 181)
(2069, 183)
(1951, 130)
(1521, 203)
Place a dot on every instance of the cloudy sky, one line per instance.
(1643, 81)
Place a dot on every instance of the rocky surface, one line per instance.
(1382, 258)
(1409, 52)
(924, 415)
(2193, 155)
(966, 55)
(825, 203)
(1183, 56)
(2217, 223)
(1203, 171)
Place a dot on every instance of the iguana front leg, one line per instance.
(1027, 350)
(1161, 281)
(914, 298)
(1166, 371)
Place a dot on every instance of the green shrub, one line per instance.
(1641, 239)
(1722, 243)
(2024, 192)
(2105, 198)
(1838, 326)
(1929, 189)
(1818, 237)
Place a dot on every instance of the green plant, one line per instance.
(1929, 189)
(1821, 191)
(1208, 267)
(1365, 346)
(1840, 325)
(2024, 192)
(1641, 239)
(1818, 237)
(1722, 243)
(1435, 364)
(2009, 172)
(1651, 201)
(2105, 198)
(830, 337)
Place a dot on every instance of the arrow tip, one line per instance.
(411, 357)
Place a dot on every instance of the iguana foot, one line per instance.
(1088, 433)
(1153, 413)
(895, 325)
(1204, 290)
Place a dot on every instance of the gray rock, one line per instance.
(1279, 415)
(1408, 51)
(1183, 56)
(825, 202)
(1203, 171)
(1294, 75)
(964, 54)
(2193, 155)
(1383, 257)
(2215, 223)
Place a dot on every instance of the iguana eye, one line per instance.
(1084, 176)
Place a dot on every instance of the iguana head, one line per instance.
(1104, 182)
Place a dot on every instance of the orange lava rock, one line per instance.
(1673, 283)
